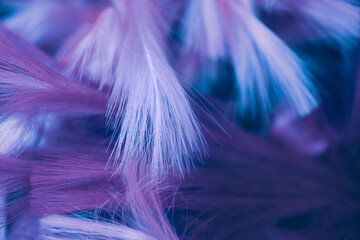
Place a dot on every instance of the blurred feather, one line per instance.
(94, 50)
(29, 87)
(24, 228)
(203, 32)
(252, 188)
(268, 73)
(47, 23)
(337, 19)
(15, 135)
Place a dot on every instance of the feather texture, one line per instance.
(147, 107)
(64, 227)
(15, 135)
(42, 22)
(94, 50)
(337, 19)
(98, 154)
(267, 71)
(203, 31)
(29, 87)
(157, 122)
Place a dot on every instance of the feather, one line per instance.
(298, 180)
(253, 188)
(15, 135)
(28, 87)
(144, 202)
(203, 32)
(15, 188)
(93, 51)
(147, 107)
(157, 122)
(337, 19)
(48, 23)
(267, 71)
(24, 228)
(73, 180)
(65, 227)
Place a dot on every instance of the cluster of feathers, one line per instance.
(179, 119)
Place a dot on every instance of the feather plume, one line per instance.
(267, 71)
(157, 122)
(147, 107)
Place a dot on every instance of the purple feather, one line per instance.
(30, 87)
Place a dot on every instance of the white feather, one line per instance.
(267, 71)
(148, 108)
(64, 227)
